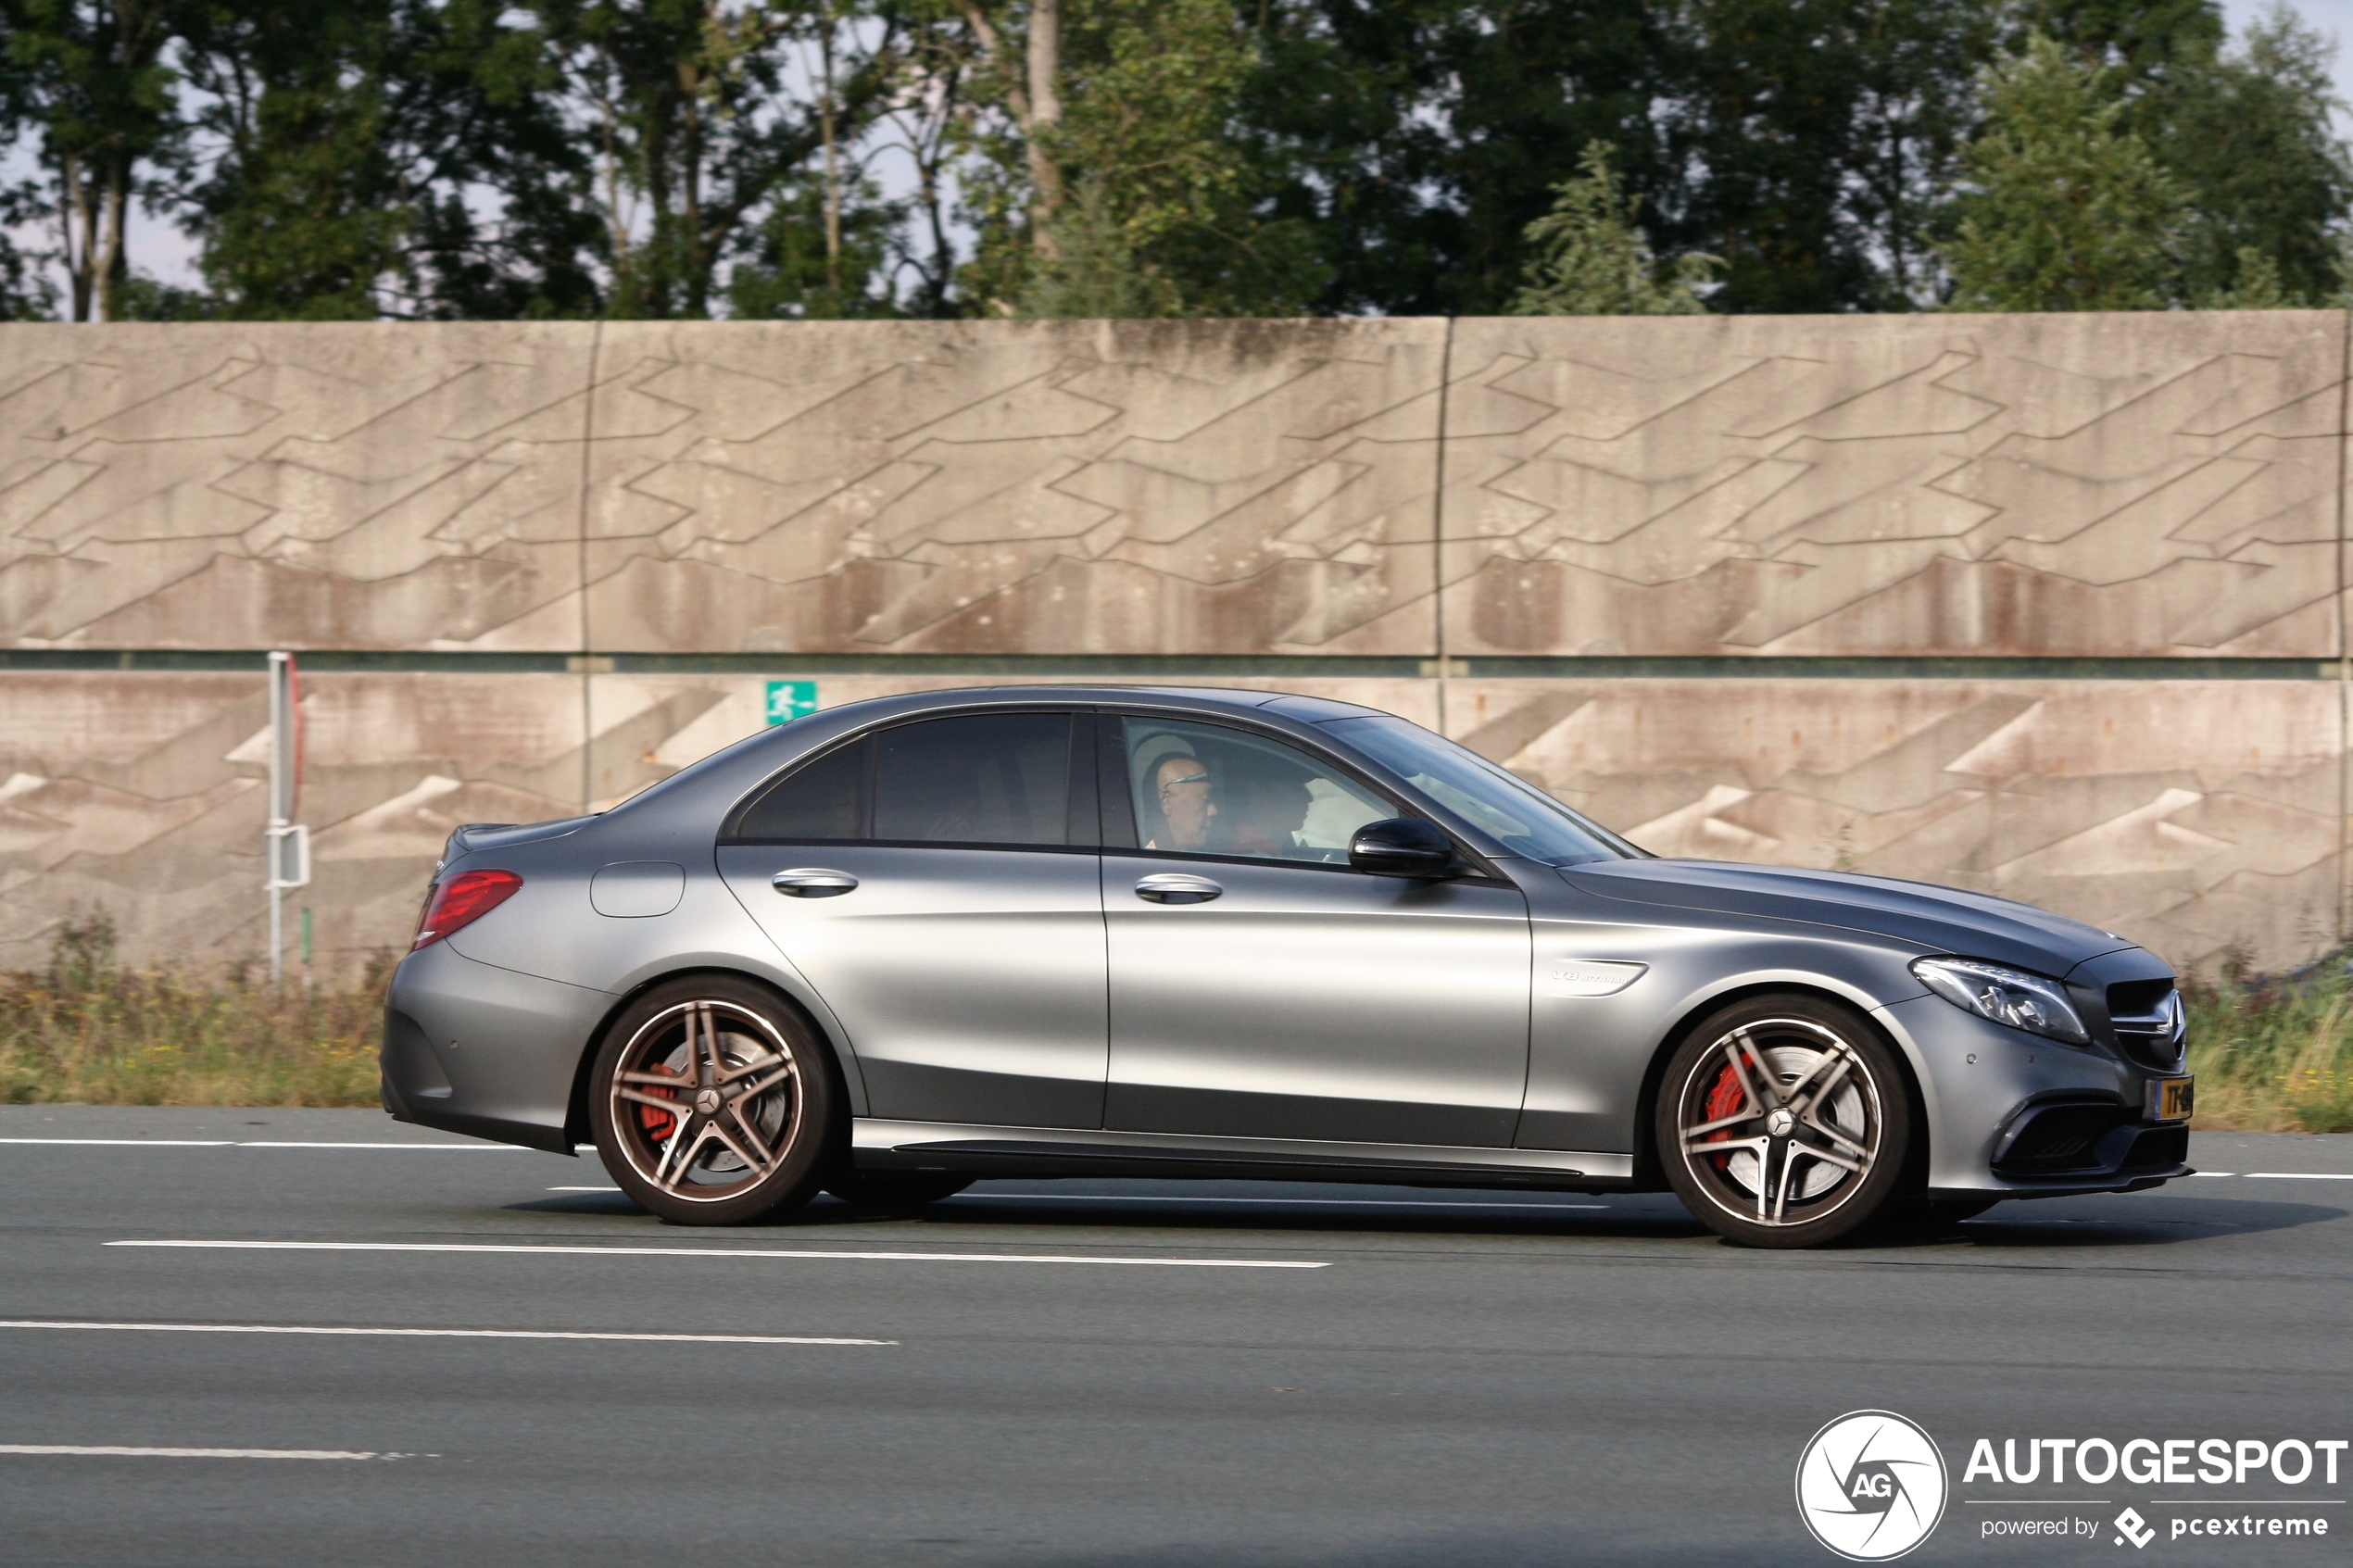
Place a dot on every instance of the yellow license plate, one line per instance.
(2170, 1098)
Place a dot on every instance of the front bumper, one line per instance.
(2012, 1115)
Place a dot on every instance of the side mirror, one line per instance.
(1403, 847)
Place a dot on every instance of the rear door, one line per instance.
(939, 888)
(1260, 987)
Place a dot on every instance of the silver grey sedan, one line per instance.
(889, 948)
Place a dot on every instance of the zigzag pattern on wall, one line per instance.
(2142, 485)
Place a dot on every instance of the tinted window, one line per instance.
(822, 799)
(989, 778)
(1210, 790)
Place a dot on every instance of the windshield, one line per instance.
(1522, 817)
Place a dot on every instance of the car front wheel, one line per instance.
(1784, 1120)
(714, 1102)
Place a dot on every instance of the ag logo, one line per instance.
(1870, 1486)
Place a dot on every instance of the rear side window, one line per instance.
(978, 779)
(990, 778)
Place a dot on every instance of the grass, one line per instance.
(89, 1029)
(2272, 1053)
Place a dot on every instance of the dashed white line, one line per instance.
(440, 1333)
(1287, 1202)
(734, 1253)
(94, 1450)
(256, 1143)
(584, 1189)
(2299, 1177)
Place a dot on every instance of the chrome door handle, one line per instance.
(812, 881)
(1174, 887)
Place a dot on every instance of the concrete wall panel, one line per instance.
(2099, 484)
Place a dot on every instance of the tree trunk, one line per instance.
(1045, 119)
(833, 175)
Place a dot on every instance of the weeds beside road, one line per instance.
(2271, 1053)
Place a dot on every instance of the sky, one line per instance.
(163, 253)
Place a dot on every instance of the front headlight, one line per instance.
(2005, 994)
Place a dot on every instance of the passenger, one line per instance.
(1188, 803)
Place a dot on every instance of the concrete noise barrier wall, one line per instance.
(2045, 606)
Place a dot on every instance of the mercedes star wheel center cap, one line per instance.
(708, 1102)
(1779, 1120)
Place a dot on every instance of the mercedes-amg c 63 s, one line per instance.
(891, 947)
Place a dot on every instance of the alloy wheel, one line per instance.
(705, 1099)
(1781, 1121)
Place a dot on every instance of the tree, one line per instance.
(1145, 94)
(2247, 134)
(90, 75)
(1587, 258)
(2066, 208)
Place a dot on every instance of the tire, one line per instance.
(1812, 1110)
(894, 1189)
(757, 1111)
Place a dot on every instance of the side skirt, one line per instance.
(878, 1145)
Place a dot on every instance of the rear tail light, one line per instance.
(460, 901)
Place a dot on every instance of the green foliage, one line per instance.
(2067, 209)
(1163, 187)
(2247, 135)
(2273, 1054)
(788, 273)
(1587, 258)
(91, 1029)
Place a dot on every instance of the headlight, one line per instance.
(2005, 994)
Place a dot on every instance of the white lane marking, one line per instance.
(487, 1147)
(584, 1189)
(2213, 1172)
(2299, 1177)
(731, 1252)
(441, 1333)
(232, 1143)
(98, 1452)
(127, 1142)
(1293, 1203)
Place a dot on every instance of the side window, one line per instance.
(821, 800)
(1218, 791)
(987, 778)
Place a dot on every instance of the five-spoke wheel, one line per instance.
(714, 1102)
(1785, 1122)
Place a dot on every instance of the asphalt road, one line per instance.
(1098, 1373)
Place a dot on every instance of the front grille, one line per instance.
(2149, 1023)
(2059, 1138)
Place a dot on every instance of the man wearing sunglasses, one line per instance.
(1187, 803)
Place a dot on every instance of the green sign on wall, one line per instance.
(788, 700)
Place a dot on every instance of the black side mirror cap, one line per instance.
(1403, 846)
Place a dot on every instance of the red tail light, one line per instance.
(460, 901)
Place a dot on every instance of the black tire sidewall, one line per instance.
(806, 1163)
(1881, 1189)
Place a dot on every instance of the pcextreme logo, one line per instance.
(1870, 1486)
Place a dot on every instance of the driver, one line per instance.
(1187, 802)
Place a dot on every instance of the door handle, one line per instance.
(812, 881)
(1174, 887)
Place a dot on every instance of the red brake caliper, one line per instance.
(658, 1123)
(1725, 1097)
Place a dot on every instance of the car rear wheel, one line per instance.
(714, 1102)
(894, 1189)
(1785, 1122)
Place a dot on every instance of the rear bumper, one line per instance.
(472, 1048)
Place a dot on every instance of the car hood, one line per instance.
(1942, 920)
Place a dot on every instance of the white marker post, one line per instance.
(287, 842)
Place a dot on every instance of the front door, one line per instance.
(1262, 988)
(948, 911)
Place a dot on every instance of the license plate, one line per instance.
(2170, 1098)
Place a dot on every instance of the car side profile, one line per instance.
(890, 948)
